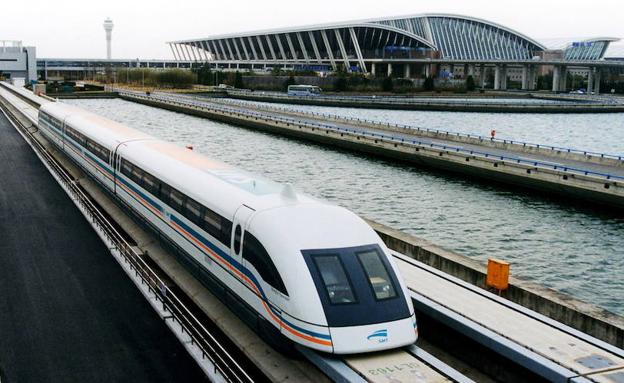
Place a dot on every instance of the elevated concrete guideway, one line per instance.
(67, 311)
(590, 177)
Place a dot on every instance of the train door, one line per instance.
(239, 224)
(116, 163)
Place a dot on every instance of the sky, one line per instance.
(73, 28)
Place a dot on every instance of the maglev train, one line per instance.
(295, 268)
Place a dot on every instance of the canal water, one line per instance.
(573, 250)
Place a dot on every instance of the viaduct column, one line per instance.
(597, 82)
(389, 69)
(564, 79)
(482, 75)
(497, 77)
(525, 77)
(590, 79)
(503, 85)
(407, 72)
(373, 69)
(556, 76)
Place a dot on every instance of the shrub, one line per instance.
(429, 84)
(470, 84)
(387, 84)
(288, 82)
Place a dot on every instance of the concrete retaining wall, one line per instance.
(582, 316)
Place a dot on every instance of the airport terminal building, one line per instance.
(407, 46)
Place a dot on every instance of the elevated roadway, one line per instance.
(595, 178)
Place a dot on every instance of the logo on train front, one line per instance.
(379, 336)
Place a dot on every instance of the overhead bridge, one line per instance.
(594, 178)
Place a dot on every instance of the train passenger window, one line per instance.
(165, 191)
(255, 253)
(176, 200)
(237, 239)
(192, 211)
(337, 284)
(377, 273)
(217, 226)
(151, 184)
(136, 175)
(126, 168)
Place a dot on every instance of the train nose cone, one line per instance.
(375, 337)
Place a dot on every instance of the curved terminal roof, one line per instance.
(453, 36)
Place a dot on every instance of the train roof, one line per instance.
(177, 165)
(107, 132)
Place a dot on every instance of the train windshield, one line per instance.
(377, 274)
(356, 285)
(334, 278)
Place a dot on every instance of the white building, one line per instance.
(17, 61)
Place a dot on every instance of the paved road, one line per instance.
(68, 313)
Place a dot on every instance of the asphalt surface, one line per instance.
(68, 312)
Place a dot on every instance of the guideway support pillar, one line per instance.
(503, 85)
(482, 75)
(389, 70)
(556, 78)
(597, 82)
(590, 79)
(525, 77)
(373, 69)
(564, 79)
(407, 72)
(497, 77)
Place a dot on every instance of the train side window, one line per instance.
(176, 200)
(136, 175)
(165, 191)
(237, 239)
(126, 168)
(226, 231)
(377, 273)
(337, 284)
(150, 183)
(256, 254)
(192, 211)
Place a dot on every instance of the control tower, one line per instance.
(108, 28)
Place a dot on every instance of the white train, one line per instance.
(293, 267)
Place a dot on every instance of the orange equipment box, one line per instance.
(497, 274)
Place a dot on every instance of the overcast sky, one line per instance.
(73, 28)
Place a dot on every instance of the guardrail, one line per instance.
(379, 136)
(407, 100)
(210, 348)
(433, 131)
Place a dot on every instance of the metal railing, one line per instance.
(410, 100)
(418, 129)
(223, 362)
(378, 136)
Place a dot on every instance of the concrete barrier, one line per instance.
(582, 316)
